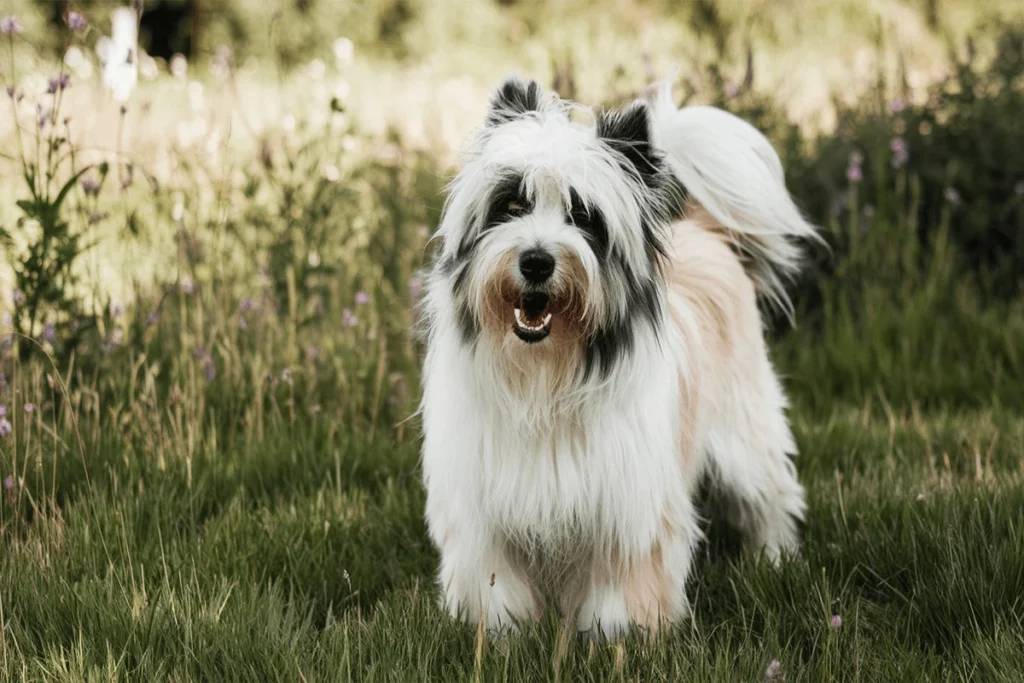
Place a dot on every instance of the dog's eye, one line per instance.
(579, 214)
(580, 217)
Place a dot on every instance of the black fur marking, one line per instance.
(460, 279)
(512, 99)
(507, 201)
(615, 341)
(628, 132)
(469, 328)
(590, 221)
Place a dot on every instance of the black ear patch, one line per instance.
(512, 99)
(628, 132)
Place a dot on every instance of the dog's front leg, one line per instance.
(645, 589)
(479, 581)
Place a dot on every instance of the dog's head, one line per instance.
(552, 233)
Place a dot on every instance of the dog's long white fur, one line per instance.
(548, 482)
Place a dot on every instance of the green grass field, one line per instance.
(208, 445)
(182, 541)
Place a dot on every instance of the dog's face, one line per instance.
(552, 231)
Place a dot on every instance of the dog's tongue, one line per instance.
(534, 304)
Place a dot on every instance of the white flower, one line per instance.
(120, 54)
(179, 65)
(147, 67)
(77, 61)
(332, 173)
(344, 50)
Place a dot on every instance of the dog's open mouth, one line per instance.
(532, 317)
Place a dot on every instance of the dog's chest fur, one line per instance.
(576, 484)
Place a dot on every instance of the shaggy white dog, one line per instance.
(595, 350)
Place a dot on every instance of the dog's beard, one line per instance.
(536, 334)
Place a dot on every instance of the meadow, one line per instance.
(208, 375)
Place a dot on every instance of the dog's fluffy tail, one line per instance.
(730, 169)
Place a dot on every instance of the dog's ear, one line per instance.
(628, 132)
(512, 99)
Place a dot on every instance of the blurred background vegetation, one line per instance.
(293, 153)
(275, 159)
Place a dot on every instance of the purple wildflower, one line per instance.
(836, 622)
(5, 427)
(900, 155)
(10, 26)
(90, 186)
(347, 319)
(17, 296)
(853, 171)
(952, 196)
(362, 298)
(896, 106)
(30, 408)
(76, 22)
(9, 482)
(49, 332)
(59, 83)
(246, 305)
(773, 670)
(3, 410)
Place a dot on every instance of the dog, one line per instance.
(594, 350)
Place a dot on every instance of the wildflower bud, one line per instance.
(76, 22)
(9, 25)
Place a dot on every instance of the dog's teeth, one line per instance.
(522, 324)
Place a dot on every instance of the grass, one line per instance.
(302, 555)
(221, 481)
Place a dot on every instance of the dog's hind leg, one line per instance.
(750, 448)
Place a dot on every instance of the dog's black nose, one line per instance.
(536, 265)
